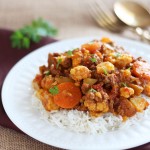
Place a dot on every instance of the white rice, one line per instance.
(79, 121)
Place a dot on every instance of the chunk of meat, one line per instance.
(141, 69)
(105, 67)
(85, 87)
(67, 62)
(51, 60)
(139, 102)
(47, 100)
(80, 72)
(42, 69)
(126, 108)
(126, 92)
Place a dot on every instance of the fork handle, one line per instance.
(143, 34)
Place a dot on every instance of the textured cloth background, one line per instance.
(72, 19)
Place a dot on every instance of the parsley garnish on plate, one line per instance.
(58, 63)
(54, 90)
(22, 38)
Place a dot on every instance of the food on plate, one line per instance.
(98, 79)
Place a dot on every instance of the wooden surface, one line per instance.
(72, 19)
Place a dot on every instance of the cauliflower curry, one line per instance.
(98, 77)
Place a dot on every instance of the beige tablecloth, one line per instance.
(72, 19)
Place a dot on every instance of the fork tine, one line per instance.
(107, 22)
(94, 15)
(108, 13)
(97, 17)
(103, 20)
(106, 9)
(106, 18)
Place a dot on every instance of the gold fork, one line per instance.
(105, 17)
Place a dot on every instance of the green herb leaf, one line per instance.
(129, 68)
(47, 72)
(69, 53)
(105, 71)
(22, 38)
(93, 59)
(92, 90)
(124, 84)
(58, 62)
(117, 54)
(25, 42)
(54, 90)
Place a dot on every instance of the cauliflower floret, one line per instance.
(105, 67)
(96, 106)
(126, 92)
(123, 60)
(126, 73)
(77, 58)
(80, 72)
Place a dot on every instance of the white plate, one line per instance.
(16, 98)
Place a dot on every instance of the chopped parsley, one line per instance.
(92, 90)
(105, 71)
(69, 53)
(124, 84)
(47, 73)
(93, 59)
(117, 54)
(129, 68)
(54, 90)
(58, 62)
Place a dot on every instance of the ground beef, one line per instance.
(51, 60)
(85, 87)
(67, 63)
(54, 71)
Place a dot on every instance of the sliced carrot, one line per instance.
(91, 47)
(106, 40)
(69, 95)
(141, 70)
